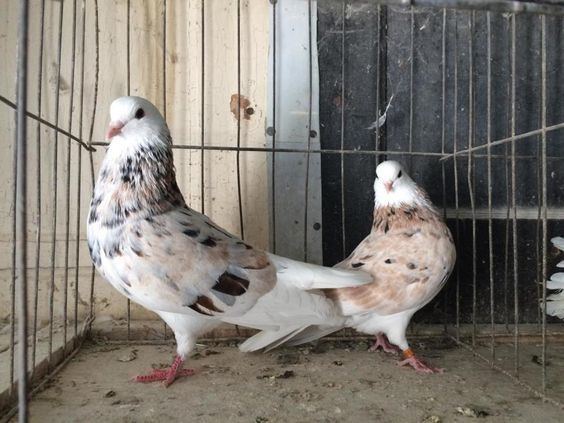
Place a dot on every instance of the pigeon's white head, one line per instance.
(393, 186)
(135, 120)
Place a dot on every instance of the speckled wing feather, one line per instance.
(181, 262)
(410, 254)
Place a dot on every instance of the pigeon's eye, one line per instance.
(399, 174)
(139, 114)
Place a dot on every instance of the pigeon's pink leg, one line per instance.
(382, 342)
(419, 365)
(169, 375)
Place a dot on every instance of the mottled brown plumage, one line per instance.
(407, 247)
(409, 253)
(157, 251)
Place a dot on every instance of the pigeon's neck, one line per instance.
(136, 183)
(387, 218)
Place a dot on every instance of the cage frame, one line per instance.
(83, 140)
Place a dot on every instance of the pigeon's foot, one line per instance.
(167, 375)
(409, 358)
(381, 342)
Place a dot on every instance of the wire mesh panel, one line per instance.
(460, 97)
(51, 126)
(466, 97)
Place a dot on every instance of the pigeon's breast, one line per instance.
(409, 265)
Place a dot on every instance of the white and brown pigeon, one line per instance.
(160, 253)
(409, 252)
(555, 301)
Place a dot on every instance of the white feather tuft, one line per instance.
(556, 281)
(558, 242)
(555, 305)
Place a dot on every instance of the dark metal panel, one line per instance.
(414, 124)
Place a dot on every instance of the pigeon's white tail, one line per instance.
(307, 276)
(296, 311)
(287, 315)
(555, 302)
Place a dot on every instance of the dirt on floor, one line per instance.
(328, 382)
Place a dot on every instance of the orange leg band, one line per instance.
(408, 353)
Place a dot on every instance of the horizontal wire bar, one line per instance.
(545, 7)
(331, 151)
(287, 150)
(47, 123)
(506, 140)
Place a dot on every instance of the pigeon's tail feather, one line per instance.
(308, 276)
(286, 312)
(267, 339)
(284, 340)
(292, 336)
(311, 334)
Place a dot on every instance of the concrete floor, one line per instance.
(329, 382)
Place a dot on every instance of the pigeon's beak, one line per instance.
(388, 185)
(114, 129)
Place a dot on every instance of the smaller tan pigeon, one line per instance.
(409, 252)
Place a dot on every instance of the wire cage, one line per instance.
(283, 152)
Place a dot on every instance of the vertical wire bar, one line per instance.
(539, 206)
(68, 182)
(411, 60)
(164, 101)
(164, 58)
(38, 184)
(91, 131)
(470, 173)
(13, 273)
(310, 74)
(544, 198)
(455, 165)
(489, 164)
(381, 74)
(55, 184)
(203, 108)
(443, 139)
(378, 75)
(538, 228)
(78, 183)
(128, 47)
(14, 258)
(273, 170)
(507, 198)
(128, 82)
(343, 94)
(238, 154)
(20, 207)
(514, 203)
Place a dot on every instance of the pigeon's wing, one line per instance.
(409, 264)
(181, 262)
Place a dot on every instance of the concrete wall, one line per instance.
(184, 87)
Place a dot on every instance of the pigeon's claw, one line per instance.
(419, 365)
(381, 342)
(168, 376)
